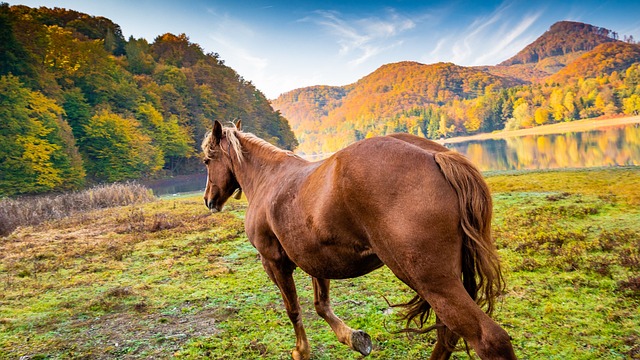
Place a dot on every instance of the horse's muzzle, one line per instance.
(211, 205)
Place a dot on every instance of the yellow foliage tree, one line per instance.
(118, 150)
(541, 116)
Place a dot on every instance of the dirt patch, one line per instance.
(135, 335)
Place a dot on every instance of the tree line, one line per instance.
(519, 107)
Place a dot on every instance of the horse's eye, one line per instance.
(206, 161)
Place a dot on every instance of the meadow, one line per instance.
(168, 279)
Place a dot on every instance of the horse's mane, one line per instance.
(233, 136)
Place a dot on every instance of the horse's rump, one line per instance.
(481, 273)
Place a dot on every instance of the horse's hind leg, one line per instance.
(446, 343)
(439, 283)
(356, 339)
(463, 316)
(281, 273)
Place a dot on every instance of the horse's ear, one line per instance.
(217, 132)
(239, 125)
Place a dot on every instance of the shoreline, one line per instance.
(559, 128)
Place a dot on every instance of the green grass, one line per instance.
(168, 279)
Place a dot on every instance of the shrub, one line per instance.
(610, 240)
(631, 286)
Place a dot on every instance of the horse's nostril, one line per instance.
(208, 204)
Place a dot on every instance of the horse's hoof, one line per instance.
(361, 342)
(297, 355)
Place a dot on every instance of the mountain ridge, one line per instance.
(444, 99)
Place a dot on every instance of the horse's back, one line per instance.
(389, 183)
(394, 161)
(424, 144)
(394, 167)
(398, 193)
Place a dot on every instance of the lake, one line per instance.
(178, 184)
(610, 146)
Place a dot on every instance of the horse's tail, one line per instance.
(481, 273)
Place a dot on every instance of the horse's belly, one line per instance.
(328, 246)
(338, 265)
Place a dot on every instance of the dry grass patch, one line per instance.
(34, 210)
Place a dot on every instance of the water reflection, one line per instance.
(603, 147)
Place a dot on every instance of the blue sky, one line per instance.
(283, 45)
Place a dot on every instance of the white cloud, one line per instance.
(508, 42)
(491, 38)
(362, 38)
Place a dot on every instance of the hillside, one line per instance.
(533, 71)
(308, 105)
(603, 60)
(80, 104)
(573, 71)
(401, 86)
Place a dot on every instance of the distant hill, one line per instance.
(563, 43)
(387, 93)
(79, 103)
(309, 105)
(562, 38)
(552, 79)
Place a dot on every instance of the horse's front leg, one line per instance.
(356, 340)
(281, 273)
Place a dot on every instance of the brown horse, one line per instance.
(398, 200)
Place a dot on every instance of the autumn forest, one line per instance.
(80, 104)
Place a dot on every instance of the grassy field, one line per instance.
(168, 279)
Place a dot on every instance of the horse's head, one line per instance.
(221, 178)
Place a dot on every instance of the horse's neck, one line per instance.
(263, 167)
